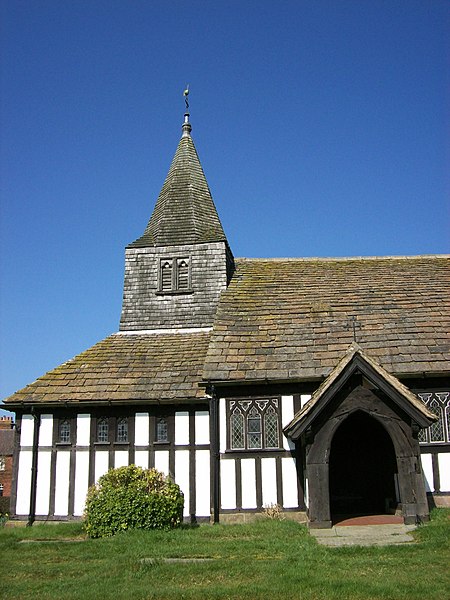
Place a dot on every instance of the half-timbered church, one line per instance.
(320, 385)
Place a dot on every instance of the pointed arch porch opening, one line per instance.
(363, 468)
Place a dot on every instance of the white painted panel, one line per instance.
(248, 471)
(141, 458)
(81, 481)
(101, 464)
(182, 428)
(162, 461)
(141, 429)
(83, 430)
(24, 482)
(287, 414)
(427, 469)
(201, 427)
(26, 432)
(182, 476)
(120, 458)
(43, 482)
(444, 471)
(202, 482)
(290, 490)
(304, 398)
(46, 431)
(62, 483)
(227, 484)
(222, 425)
(269, 481)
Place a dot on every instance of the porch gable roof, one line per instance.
(357, 361)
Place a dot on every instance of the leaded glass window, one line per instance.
(162, 430)
(2, 463)
(122, 430)
(439, 431)
(254, 424)
(64, 432)
(102, 430)
(237, 429)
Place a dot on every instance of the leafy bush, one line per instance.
(4, 505)
(131, 497)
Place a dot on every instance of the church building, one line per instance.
(320, 385)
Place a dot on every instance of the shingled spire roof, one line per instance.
(184, 212)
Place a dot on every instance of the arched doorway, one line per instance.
(362, 468)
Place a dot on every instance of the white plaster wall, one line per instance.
(182, 476)
(203, 484)
(444, 471)
(227, 484)
(162, 461)
(141, 458)
(62, 483)
(46, 430)
(120, 458)
(290, 491)
(269, 481)
(222, 425)
(248, 471)
(101, 464)
(81, 481)
(83, 429)
(201, 427)
(304, 398)
(43, 482)
(287, 414)
(26, 431)
(141, 429)
(427, 469)
(24, 481)
(182, 428)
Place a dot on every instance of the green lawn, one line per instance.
(268, 559)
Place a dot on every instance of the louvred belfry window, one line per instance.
(174, 276)
(254, 424)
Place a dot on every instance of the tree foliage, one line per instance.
(132, 498)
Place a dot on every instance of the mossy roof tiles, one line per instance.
(142, 368)
(284, 319)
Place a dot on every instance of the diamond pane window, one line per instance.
(162, 430)
(64, 432)
(122, 430)
(271, 428)
(254, 428)
(102, 430)
(436, 429)
(237, 429)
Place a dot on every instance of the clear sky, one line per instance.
(322, 127)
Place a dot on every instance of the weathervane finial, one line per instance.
(186, 125)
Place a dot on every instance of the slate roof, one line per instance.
(292, 319)
(6, 442)
(154, 368)
(319, 398)
(184, 212)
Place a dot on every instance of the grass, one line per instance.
(265, 560)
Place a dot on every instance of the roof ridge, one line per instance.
(341, 258)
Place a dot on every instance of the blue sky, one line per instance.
(322, 127)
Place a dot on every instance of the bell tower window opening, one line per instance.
(174, 275)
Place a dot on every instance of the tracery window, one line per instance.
(439, 431)
(122, 430)
(102, 430)
(174, 275)
(64, 432)
(254, 424)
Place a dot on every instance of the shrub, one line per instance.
(131, 497)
